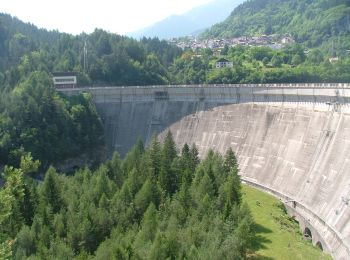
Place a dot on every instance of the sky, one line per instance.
(76, 16)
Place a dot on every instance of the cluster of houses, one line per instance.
(273, 41)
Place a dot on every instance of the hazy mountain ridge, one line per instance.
(191, 22)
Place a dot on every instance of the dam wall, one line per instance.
(292, 141)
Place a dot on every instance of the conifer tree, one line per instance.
(169, 149)
(148, 231)
(154, 154)
(50, 191)
(149, 224)
(133, 158)
(115, 171)
(158, 248)
(149, 193)
(194, 156)
(230, 161)
(168, 178)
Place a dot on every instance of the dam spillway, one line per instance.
(291, 140)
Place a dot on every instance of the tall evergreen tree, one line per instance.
(168, 177)
(230, 161)
(154, 157)
(50, 192)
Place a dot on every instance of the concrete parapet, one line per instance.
(281, 93)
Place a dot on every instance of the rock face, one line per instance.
(291, 140)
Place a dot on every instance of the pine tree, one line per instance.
(133, 158)
(149, 193)
(30, 201)
(194, 157)
(154, 156)
(115, 171)
(185, 152)
(50, 192)
(102, 185)
(148, 231)
(26, 242)
(158, 249)
(169, 149)
(186, 165)
(168, 177)
(230, 161)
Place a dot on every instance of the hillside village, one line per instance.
(273, 41)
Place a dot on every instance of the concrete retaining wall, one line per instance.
(291, 140)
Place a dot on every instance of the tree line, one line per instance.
(155, 204)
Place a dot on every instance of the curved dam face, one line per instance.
(292, 141)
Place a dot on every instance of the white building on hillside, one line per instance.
(65, 79)
(223, 63)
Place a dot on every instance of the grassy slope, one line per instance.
(274, 241)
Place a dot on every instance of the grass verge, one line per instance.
(277, 235)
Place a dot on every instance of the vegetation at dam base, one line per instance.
(278, 236)
(154, 204)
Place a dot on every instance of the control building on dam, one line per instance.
(291, 140)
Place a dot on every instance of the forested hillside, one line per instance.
(35, 118)
(111, 59)
(313, 22)
(155, 204)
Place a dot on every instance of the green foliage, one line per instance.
(314, 23)
(292, 64)
(111, 59)
(12, 196)
(278, 236)
(124, 212)
(36, 119)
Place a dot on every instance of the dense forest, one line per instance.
(311, 22)
(110, 59)
(154, 204)
(35, 118)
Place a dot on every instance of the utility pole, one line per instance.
(85, 57)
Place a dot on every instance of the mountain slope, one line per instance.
(309, 21)
(194, 20)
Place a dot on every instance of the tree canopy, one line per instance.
(123, 212)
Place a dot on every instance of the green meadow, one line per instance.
(277, 235)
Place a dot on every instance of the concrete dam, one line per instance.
(291, 140)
